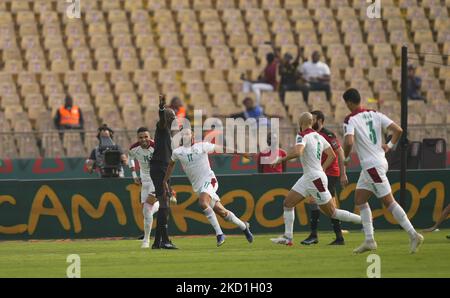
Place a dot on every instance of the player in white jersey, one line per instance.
(142, 151)
(194, 161)
(314, 182)
(363, 130)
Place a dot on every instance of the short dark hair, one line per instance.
(352, 95)
(319, 115)
(247, 99)
(105, 127)
(270, 57)
(142, 129)
(174, 99)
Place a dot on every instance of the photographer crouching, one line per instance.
(107, 158)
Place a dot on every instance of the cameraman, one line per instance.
(107, 167)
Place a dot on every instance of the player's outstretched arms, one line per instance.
(295, 152)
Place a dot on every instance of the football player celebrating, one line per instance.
(194, 161)
(142, 151)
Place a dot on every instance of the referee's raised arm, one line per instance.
(162, 115)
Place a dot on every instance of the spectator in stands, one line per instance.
(69, 116)
(414, 84)
(96, 159)
(316, 75)
(267, 167)
(251, 110)
(288, 71)
(177, 105)
(255, 111)
(267, 80)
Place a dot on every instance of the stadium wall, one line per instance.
(94, 208)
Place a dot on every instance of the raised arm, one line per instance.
(299, 55)
(162, 115)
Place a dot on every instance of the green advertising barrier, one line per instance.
(74, 168)
(92, 208)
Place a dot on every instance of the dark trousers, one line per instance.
(288, 87)
(316, 86)
(157, 173)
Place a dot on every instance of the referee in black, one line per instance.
(158, 166)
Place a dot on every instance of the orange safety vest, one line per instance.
(181, 112)
(69, 117)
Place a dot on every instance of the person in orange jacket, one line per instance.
(177, 105)
(69, 116)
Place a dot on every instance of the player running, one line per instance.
(309, 147)
(335, 172)
(142, 151)
(363, 128)
(194, 160)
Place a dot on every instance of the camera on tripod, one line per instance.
(107, 157)
(110, 163)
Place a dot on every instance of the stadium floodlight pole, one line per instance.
(404, 124)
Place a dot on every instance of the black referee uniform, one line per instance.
(158, 166)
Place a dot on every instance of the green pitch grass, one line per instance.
(199, 257)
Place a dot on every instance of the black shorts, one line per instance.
(332, 181)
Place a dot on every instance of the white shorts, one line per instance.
(375, 180)
(210, 187)
(316, 187)
(147, 188)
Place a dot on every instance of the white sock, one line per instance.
(289, 217)
(155, 207)
(344, 215)
(401, 217)
(366, 220)
(148, 220)
(232, 218)
(211, 216)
